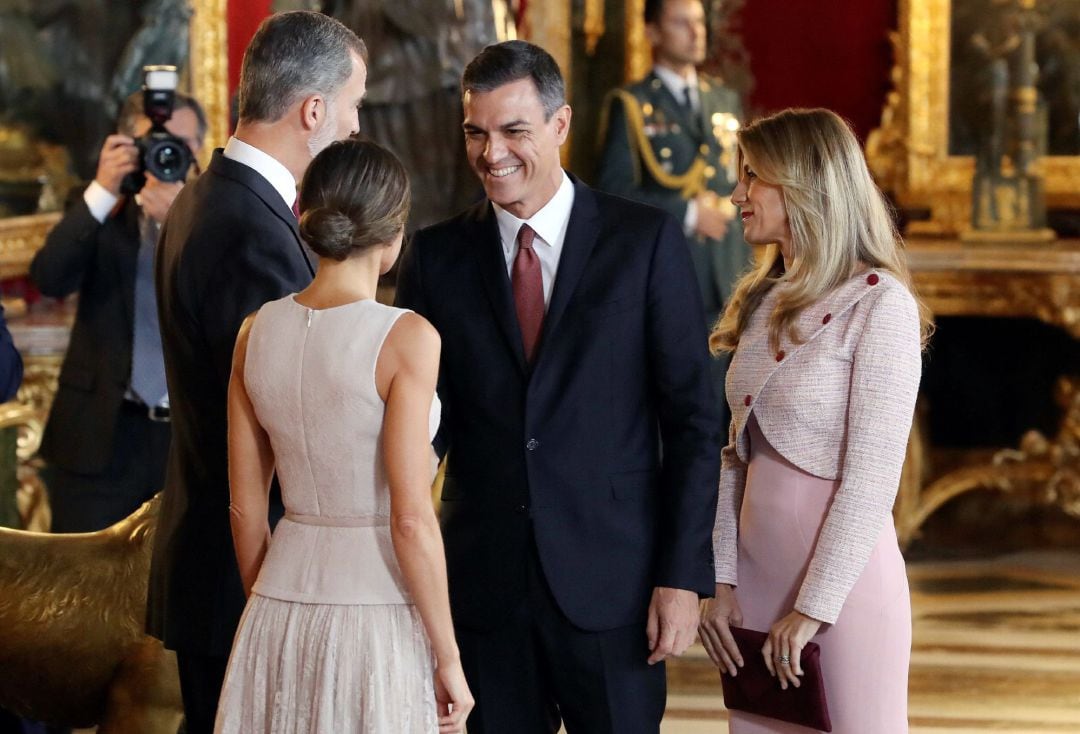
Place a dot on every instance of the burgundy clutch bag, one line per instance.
(754, 691)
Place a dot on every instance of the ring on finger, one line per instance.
(785, 660)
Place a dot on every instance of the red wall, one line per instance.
(815, 53)
(244, 18)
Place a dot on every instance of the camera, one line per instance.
(161, 153)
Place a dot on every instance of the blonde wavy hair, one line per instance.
(840, 222)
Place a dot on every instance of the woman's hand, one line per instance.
(452, 697)
(717, 616)
(783, 649)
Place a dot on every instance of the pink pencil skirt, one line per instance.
(866, 653)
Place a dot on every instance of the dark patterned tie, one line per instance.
(528, 286)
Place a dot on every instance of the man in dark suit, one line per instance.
(669, 141)
(229, 245)
(573, 346)
(107, 436)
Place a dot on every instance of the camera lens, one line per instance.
(168, 159)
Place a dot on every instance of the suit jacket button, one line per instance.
(747, 400)
(532, 444)
(521, 509)
(827, 319)
(872, 279)
(780, 356)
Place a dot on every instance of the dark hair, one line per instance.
(653, 9)
(510, 61)
(355, 195)
(294, 55)
(133, 109)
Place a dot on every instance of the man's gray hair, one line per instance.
(292, 56)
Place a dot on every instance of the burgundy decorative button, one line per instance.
(780, 356)
(872, 279)
(827, 319)
(747, 400)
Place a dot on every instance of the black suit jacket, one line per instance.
(97, 259)
(229, 245)
(568, 453)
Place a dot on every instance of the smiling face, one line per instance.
(764, 213)
(513, 148)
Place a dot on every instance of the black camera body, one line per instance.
(161, 154)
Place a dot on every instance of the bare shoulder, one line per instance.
(240, 350)
(413, 333)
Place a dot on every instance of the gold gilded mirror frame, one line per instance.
(909, 153)
(21, 237)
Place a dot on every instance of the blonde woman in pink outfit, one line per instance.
(826, 337)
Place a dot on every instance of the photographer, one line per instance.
(108, 432)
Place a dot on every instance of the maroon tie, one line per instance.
(528, 291)
(296, 208)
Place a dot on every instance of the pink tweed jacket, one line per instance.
(838, 406)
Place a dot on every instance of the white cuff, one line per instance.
(690, 220)
(99, 200)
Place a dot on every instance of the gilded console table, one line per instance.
(1041, 282)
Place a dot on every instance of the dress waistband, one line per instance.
(364, 521)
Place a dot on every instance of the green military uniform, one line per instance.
(657, 150)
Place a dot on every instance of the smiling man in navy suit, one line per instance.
(573, 348)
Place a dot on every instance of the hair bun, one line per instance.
(328, 232)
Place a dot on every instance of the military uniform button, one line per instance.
(656, 84)
(665, 152)
(646, 109)
(710, 172)
(704, 149)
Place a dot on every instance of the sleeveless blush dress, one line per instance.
(329, 641)
(865, 654)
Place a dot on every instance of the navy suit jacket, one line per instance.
(567, 453)
(228, 245)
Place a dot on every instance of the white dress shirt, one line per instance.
(550, 225)
(265, 165)
(99, 200)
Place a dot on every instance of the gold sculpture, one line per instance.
(72, 646)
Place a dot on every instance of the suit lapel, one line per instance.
(258, 185)
(492, 265)
(581, 235)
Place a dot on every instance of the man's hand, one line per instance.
(712, 215)
(156, 197)
(119, 157)
(717, 618)
(673, 619)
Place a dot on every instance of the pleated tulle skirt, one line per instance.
(866, 653)
(329, 668)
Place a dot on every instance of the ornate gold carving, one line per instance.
(210, 68)
(909, 152)
(20, 238)
(72, 611)
(999, 280)
(638, 54)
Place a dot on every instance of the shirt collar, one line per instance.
(549, 222)
(265, 165)
(675, 83)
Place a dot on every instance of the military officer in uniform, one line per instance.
(669, 140)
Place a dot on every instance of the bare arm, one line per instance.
(405, 374)
(251, 468)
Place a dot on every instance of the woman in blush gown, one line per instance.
(347, 626)
(826, 338)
